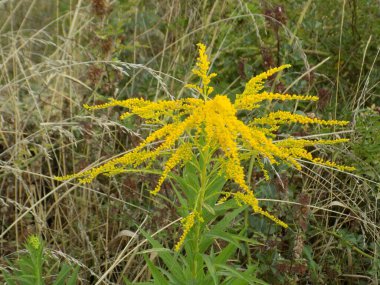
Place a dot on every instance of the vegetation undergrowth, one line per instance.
(31, 268)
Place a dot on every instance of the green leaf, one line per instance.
(214, 188)
(157, 275)
(225, 254)
(233, 273)
(207, 239)
(181, 199)
(209, 209)
(8, 278)
(249, 274)
(240, 277)
(243, 238)
(26, 279)
(74, 277)
(191, 182)
(63, 273)
(169, 260)
(211, 268)
(224, 236)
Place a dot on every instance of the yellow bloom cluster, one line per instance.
(256, 84)
(247, 102)
(301, 143)
(333, 164)
(183, 153)
(187, 223)
(251, 200)
(215, 121)
(34, 241)
(203, 65)
(283, 117)
(151, 111)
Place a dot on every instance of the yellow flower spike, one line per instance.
(183, 153)
(256, 84)
(250, 200)
(203, 65)
(333, 164)
(224, 198)
(261, 165)
(301, 143)
(187, 223)
(191, 86)
(213, 124)
(124, 103)
(283, 117)
(250, 101)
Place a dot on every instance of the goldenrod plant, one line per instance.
(205, 135)
(30, 268)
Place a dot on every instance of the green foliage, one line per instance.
(212, 245)
(30, 268)
(205, 266)
(366, 145)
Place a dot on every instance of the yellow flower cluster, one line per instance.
(301, 143)
(256, 84)
(333, 164)
(183, 153)
(34, 241)
(215, 121)
(187, 223)
(283, 117)
(247, 102)
(250, 199)
(151, 111)
(203, 65)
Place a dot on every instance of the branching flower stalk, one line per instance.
(208, 126)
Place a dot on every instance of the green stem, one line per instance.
(204, 160)
(246, 211)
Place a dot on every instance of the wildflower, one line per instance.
(215, 124)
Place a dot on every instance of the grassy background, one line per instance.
(57, 55)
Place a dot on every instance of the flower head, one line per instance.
(215, 121)
(203, 65)
(34, 241)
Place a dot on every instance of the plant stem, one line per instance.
(204, 161)
(246, 211)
